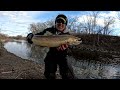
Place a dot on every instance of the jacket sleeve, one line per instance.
(30, 35)
(42, 33)
(66, 33)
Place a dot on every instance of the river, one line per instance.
(82, 69)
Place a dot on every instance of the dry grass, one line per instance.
(103, 51)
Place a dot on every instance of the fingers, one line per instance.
(59, 48)
(62, 47)
(66, 46)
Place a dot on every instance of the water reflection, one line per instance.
(94, 70)
(20, 49)
(27, 51)
(38, 53)
(82, 69)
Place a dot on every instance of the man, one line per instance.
(56, 56)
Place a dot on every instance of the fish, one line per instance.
(55, 40)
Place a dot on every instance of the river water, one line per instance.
(82, 69)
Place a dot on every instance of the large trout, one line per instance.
(55, 40)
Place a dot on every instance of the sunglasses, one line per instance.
(60, 21)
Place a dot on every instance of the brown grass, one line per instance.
(91, 49)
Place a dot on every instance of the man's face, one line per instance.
(60, 25)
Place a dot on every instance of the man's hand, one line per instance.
(62, 47)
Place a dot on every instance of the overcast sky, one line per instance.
(17, 22)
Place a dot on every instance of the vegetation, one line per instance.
(88, 25)
(18, 37)
(106, 50)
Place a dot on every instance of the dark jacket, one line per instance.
(53, 52)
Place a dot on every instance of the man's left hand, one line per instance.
(62, 47)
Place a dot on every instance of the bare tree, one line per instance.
(50, 23)
(105, 30)
(107, 23)
(90, 21)
(33, 28)
(38, 27)
(73, 24)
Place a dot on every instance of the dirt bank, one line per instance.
(13, 67)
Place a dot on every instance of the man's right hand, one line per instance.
(62, 47)
(29, 38)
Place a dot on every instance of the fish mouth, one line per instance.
(78, 39)
(77, 42)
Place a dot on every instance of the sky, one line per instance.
(15, 23)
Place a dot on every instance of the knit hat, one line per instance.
(62, 17)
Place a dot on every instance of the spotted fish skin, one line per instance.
(55, 40)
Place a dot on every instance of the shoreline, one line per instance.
(13, 67)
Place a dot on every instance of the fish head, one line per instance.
(74, 41)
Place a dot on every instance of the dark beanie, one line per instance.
(62, 16)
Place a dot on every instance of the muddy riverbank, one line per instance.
(13, 67)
